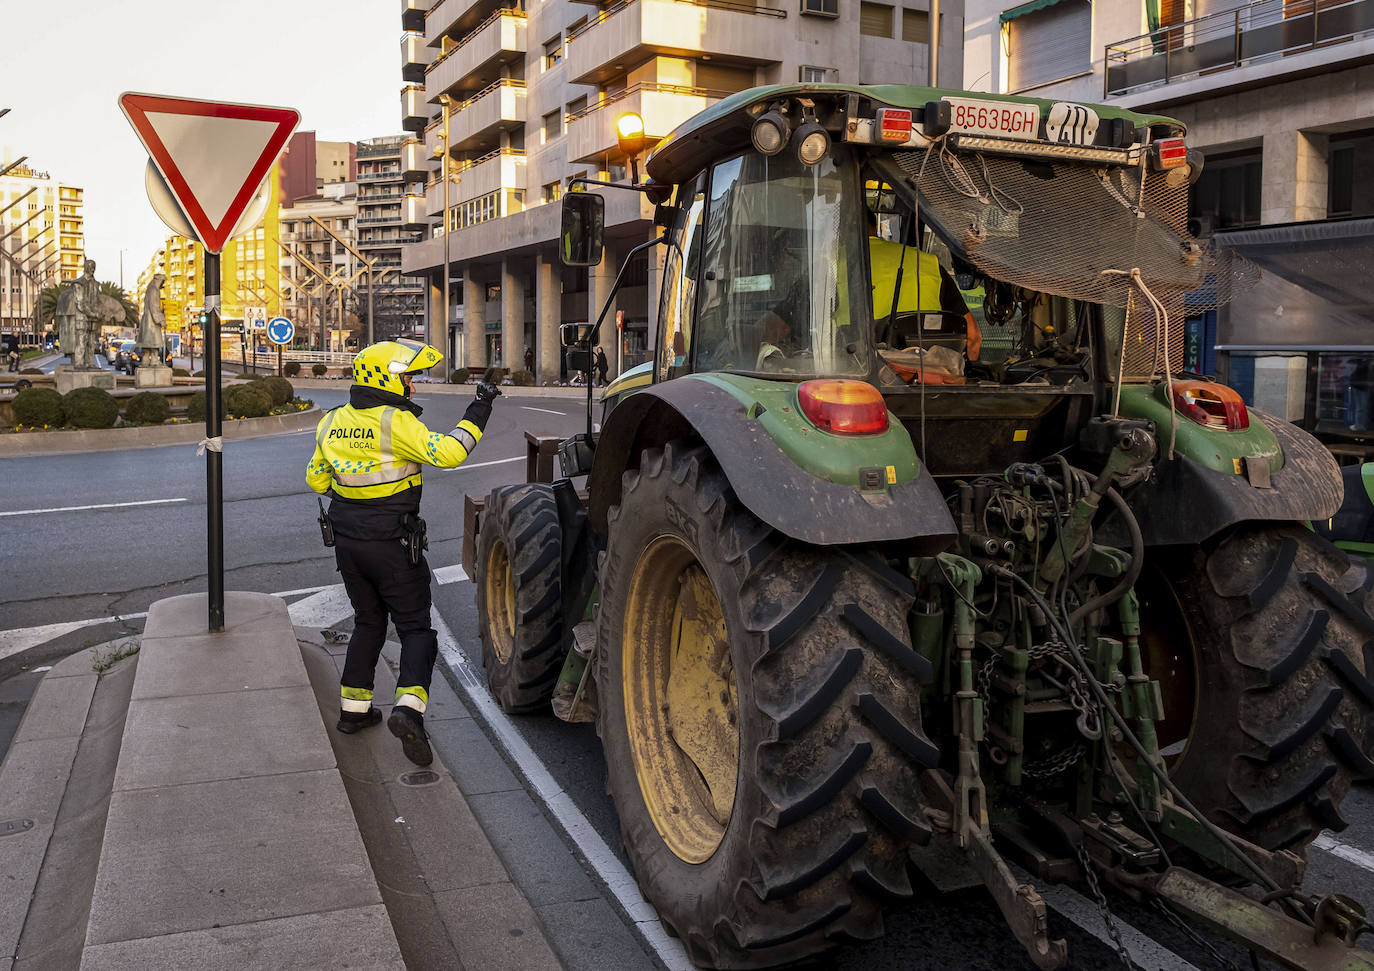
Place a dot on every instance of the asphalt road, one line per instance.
(104, 535)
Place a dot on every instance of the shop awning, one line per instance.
(1025, 8)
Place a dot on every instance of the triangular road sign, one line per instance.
(213, 155)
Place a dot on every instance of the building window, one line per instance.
(551, 192)
(577, 106)
(553, 125)
(915, 26)
(1049, 45)
(1348, 194)
(1227, 195)
(875, 19)
(821, 8)
(553, 51)
(813, 75)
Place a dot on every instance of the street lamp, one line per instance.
(448, 105)
(629, 133)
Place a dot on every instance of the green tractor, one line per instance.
(912, 534)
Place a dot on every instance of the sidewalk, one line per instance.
(192, 806)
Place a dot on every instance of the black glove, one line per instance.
(487, 392)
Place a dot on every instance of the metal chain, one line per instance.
(1197, 938)
(1055, 764)
(1090, 875)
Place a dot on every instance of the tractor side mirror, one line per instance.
(578, 359)
(582, 236)
(571, 335)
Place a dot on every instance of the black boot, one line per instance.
(354, 721)
(408, 725)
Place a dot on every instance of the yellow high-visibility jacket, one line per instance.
(370, 461)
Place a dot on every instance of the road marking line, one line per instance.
(575, 826)
(544, 410)
(450, 574)
(478, 465)
(102, 505)
(1144, 950)
(1344, 851)
(322, 609)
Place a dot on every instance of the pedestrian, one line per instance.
(368, 458)
(601, 365)
(529, 360)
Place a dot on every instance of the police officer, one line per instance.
(368, 455)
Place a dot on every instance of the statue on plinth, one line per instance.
(79, 313)
(152, 325)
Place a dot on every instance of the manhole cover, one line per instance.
(10, 827)
(422, 777)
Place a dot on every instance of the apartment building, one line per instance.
(42, 225)
(321, 273)
(535, 90)
(308, 165)
(391, 214)
(1279, 95)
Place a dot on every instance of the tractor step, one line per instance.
(574, 700)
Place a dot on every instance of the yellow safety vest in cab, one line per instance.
(370, 461)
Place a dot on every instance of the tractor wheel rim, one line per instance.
(500, 595)
(681, 701)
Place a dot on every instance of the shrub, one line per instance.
(198, 374)
(246, 401)
(90, 408)
(31, 370)
(497, 374)
(147, 408)
(291, 368)
(38, 407)
(180, 372)
(523, 379)
(279, 388)
(319, 370)
(195, 408)
(458, 376)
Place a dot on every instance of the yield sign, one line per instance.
(213, 155)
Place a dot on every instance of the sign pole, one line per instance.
(214, 458)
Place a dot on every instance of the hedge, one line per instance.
(90, 408)
(39, 407)
(147, 408)
(247, 401)
(195, 408)
(458, 376)
(180, 372)
(291, 368)
(319, 370)
(523, 379)
(279, 388)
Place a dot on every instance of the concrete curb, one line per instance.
(424, 388)
(20, 444)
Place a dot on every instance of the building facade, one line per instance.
(1279, 96)
(321, 273)
(534, 93)
(42, 222)
(308, 165)
(391, 177)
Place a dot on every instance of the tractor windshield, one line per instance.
(777, 294)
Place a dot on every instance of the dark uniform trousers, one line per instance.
(380, 581)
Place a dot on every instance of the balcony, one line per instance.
(387, 217)
(632, 31)
(501, 169)
(413, 214)
(477, 59)
(458, 18)
(591, 132)
(387, 145)
(413, 14)
(1267, 32)
(376, 198)
(477, 122)
(414, 160)
(415, 57)
(414, 108)
(390, 174)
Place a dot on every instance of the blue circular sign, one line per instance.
(280, 330)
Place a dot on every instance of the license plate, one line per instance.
(994, 118)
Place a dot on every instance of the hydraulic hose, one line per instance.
(1132, 573)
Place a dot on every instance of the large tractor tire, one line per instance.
(519, 596)
(759, 711)
(1272, 708)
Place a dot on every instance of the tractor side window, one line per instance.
(775, 296)
(681, 268)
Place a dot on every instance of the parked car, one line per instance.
(126, 357)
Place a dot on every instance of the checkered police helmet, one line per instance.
(381, 365)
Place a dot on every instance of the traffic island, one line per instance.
(19, 444)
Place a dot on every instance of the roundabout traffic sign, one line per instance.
(280, 330)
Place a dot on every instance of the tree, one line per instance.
(118, 292)
(48, 298)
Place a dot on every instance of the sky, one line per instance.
(63, 67)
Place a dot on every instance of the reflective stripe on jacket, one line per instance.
(374, 453)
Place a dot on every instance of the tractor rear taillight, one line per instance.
(843, 407)
(894, 124)
(1211, 405)
(1170, 153)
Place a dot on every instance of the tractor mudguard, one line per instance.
(766, 480)
(1187, 502)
